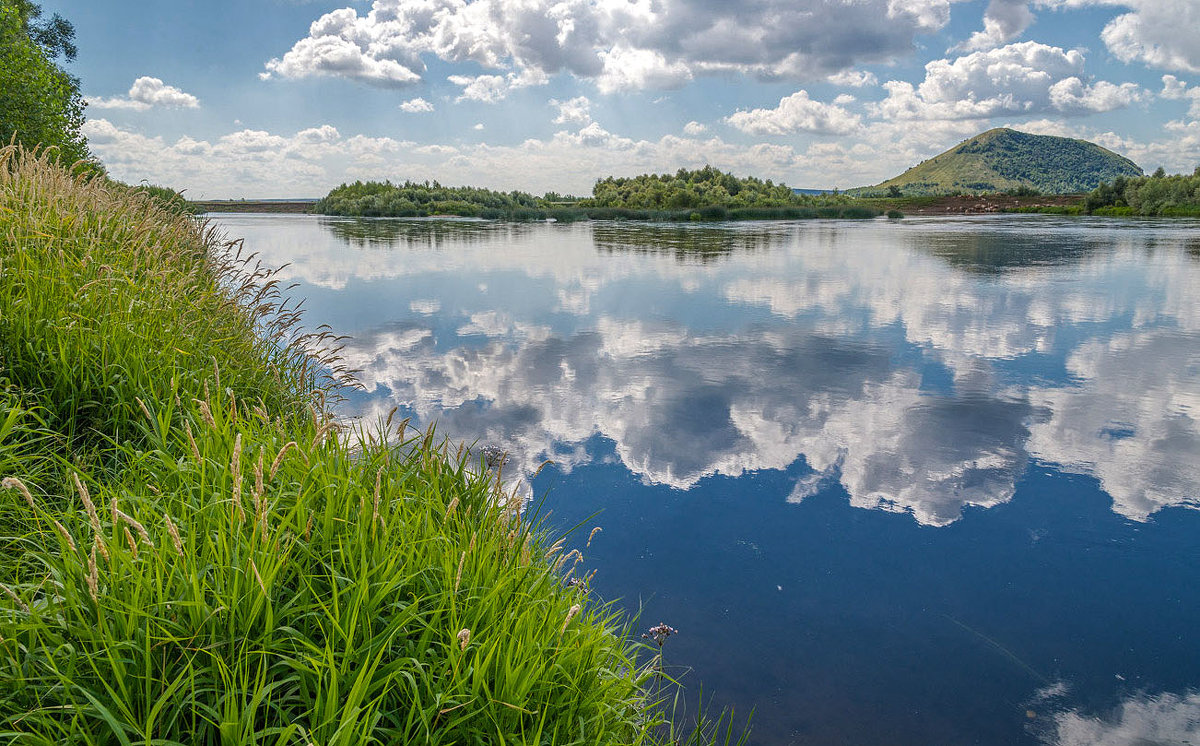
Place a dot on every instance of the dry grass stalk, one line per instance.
(555, 548)
(205, 412)
(12, 483)
(62, 531)
(174, 532)
(260, 509)
(258, 577)
(132, 544)
(141, 530)
(378, 490)
(16, 599)
(458, 576)
(88, 505)
(322, 431)
(235, 466)
(279, 458)
(93, 576)
(99, 545)
(187, 428)
(571, 613)
(145, 410)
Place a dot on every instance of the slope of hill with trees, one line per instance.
(1005, 160)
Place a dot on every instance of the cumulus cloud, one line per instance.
(573, 111)
(797, 113)
(1003, 21)
(621, 44)
(416, 106)
(854, 78)
(147, 92)
(1177, 90)
(492, 88)
(1159, 33)
(1025, 78)
(694, 128)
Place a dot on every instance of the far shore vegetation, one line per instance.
(705, 194)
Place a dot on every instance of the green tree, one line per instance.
(40, 102)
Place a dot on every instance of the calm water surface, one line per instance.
(925, 482)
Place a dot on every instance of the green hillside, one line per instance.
(1002, 160)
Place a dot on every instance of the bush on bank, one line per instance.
(194, 553)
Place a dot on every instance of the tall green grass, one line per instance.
(194, 553)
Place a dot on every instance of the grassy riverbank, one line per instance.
(193, 553)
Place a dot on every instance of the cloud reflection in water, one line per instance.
(919, 364)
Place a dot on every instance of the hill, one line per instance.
(1002, 160)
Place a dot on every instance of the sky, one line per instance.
(289, 98)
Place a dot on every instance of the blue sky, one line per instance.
(279, 98)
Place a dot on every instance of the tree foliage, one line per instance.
(1148, 195)
(420, 199)
(705, 187)
(40, 103)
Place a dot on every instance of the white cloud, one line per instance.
(416, 106)
(1003, 21)
(1177, 90)
(492, 88)
(478, 126)
(628, 69)
(694, 128)
(573, 111)
(854, 78)
(1025, 78)
(1159, 33)
(797, 113)
(147, 92)
(621, 44)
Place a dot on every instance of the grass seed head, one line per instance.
(88, 505)
(130, 541)
(174, 535)
(66, 535)
(279, 458)
(12, 483)
(464, 637)
(458, 576)
(571, 614)
(98, 546)
(93, 576)
(187, 428)
(16, 599)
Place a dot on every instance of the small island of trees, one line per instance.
(701, 194)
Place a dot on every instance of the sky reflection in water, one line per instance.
(723, 393)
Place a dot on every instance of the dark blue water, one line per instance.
(920, 482)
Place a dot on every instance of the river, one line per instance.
(928, 481)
